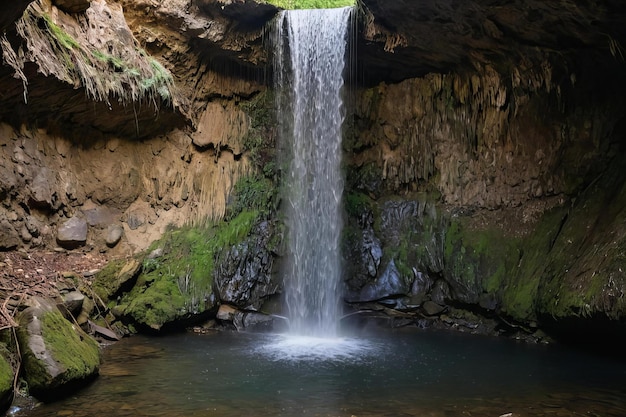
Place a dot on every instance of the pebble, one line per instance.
(90, 273)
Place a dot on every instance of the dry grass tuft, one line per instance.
(95, 50)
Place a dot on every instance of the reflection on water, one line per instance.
(395, 374)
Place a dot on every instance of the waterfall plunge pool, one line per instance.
(390, 373)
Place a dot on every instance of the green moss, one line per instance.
(259, 191)
(76, 352)
(477, 262)
(6, 372)
(72, 348)
(585, 272)
(311, 4)
(174, 284)
(62, 37)
(253, 193)
(520, 288)
(234, 231)
(180, 282)
(114, 277)
(260, 141)
(158, 303)
(358, 204)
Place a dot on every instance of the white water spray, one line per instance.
(310, 55)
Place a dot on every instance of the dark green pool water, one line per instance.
(401, 373)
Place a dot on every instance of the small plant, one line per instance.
(253, 193)
(62, 37)
(150, 264)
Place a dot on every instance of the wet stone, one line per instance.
(432, 308)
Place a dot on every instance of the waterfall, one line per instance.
(309, 63)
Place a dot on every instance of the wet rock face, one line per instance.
(408, 236)
(480, 141)
(243, 275)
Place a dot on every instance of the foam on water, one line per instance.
(309, 348)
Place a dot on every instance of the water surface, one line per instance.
(398, 373)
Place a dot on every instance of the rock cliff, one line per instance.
(483, 143)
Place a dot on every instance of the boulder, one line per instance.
(114, 234)
(421, 287)
(243, 275)
(9, 238)
(58, 357)
(135, 219)
(441, 292)
(432, 309)
(244, 320)
(226, 312)
(116, 277)
(6, 380)
(73, 302)
(253, 321)
(389, 284)
(40, 189)
(72, 233)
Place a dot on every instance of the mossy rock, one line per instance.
(178, 285)
(6, 379)
(586, 273)
(477, 262)
(117, 276)
(58, 357)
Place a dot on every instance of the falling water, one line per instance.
(310, 54)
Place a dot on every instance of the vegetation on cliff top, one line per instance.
(311, 4)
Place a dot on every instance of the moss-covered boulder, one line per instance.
(117, 276)
(184, 276)
(57, 356)
(175, 281)
(477, 261)
(6, 379)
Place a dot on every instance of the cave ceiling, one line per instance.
(396, 40)
(407, 38)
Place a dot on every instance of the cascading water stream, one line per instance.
(310, 55)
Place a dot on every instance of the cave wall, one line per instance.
(490, 191)
(483, 148)
(77, 164)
